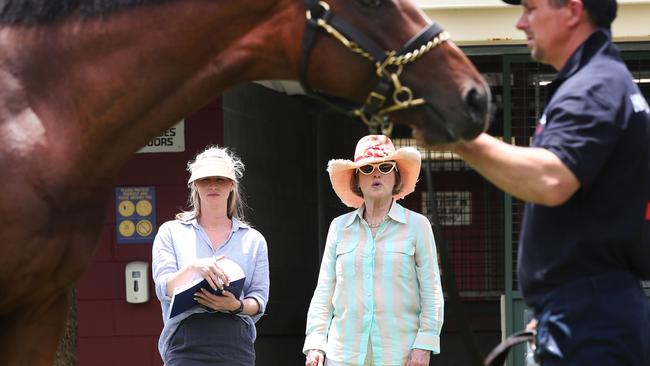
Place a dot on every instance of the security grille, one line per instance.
(529, 95)
(470, 213)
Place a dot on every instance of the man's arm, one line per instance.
(531, 174)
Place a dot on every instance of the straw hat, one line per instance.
(212, 167)
(374, 149)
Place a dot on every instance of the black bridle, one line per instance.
(388, 65)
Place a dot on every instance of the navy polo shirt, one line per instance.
(598, 123)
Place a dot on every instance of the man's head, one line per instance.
(555, 28)
(601, 12)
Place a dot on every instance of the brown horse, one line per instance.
(85, 83)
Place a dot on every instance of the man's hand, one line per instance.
(418, 357)
(315, 358)
(532, 325)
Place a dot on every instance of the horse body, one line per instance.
(80, 94)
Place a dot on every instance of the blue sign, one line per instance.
(135, 213)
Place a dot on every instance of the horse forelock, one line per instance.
(44, 11)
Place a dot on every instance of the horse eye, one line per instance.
(371, 3)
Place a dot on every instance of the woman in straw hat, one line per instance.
(378, 300)
(221, 329)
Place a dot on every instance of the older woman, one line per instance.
(220, 329)
(378, 300)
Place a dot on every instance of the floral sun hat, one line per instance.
(374, 149)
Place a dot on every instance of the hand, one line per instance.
(225, 302)
(418, 357)
(210, 270)
(315, 357)
(448, 147)
(532, 325)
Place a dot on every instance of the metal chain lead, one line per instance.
(415, 54)
(391, 60)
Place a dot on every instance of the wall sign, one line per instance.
(170, 140)
(135, 211)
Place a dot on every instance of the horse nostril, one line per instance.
(477, 104)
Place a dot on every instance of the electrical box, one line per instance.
(137, 282)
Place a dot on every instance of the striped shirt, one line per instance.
(383, 291)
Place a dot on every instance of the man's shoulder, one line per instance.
(602, 70)
(603, 82)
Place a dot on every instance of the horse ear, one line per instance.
(371, 3)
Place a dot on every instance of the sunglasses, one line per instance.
(384, 168)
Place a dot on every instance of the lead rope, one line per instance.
(449, 280)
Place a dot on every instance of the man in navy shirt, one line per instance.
(584, 242)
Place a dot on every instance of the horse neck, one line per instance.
(83, 84)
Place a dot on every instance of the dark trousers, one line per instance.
(602, 320)
(214, 339)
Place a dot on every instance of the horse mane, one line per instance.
(45, 11)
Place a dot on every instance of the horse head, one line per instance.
(417, 76)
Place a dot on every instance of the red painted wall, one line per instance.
(111, 331)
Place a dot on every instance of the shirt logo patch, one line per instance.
(639, 103)
(540, 124)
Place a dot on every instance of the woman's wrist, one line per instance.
(239, 308)
(318, 350)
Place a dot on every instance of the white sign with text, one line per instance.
(170, 140)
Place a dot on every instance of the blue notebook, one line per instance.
(183, 298)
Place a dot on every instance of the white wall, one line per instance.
(493, 22)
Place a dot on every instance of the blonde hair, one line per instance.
(236, 204)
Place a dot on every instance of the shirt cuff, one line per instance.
(315, 341)
(161, 288)
(260, 302)
(427, 341)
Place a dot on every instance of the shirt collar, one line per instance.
(396, 213)
(236, 224)
(599, 42)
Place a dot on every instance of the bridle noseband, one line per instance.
(388, 65)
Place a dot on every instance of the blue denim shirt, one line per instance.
(180, 243)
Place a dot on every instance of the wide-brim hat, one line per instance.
(212, 167)
(374, 149)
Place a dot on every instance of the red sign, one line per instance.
(647, 212)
